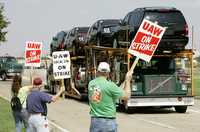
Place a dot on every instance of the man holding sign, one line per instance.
(103, 95)
(36, 106)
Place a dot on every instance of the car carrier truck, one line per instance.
(165, 81)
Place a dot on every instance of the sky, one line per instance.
(40, 20)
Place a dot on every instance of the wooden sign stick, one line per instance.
(131, 71)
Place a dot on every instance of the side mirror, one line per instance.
(55, 38)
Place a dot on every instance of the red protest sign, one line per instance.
(33, 53)
(146, 40)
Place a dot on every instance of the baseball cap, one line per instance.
(103, 67)
(37, 81)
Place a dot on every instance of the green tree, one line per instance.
(3, 24)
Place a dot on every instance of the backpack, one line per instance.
(16, 104)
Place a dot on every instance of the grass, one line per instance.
(197, 80)
(197, 87)
(6, 118)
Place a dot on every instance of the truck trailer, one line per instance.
(165, 81)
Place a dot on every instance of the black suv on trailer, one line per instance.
(57, 42)
(175, 36)
(75, 40)
(102, 31)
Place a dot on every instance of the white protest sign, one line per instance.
(61, 64)
(146, 40)
(33, 52)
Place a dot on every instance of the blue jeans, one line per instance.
(21, 117)
(103, 125)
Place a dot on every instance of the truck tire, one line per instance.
(115, 43)
(4, 76)
(181, 109)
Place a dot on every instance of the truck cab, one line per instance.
(9, 67)
(165, 81)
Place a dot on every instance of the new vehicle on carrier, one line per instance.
(57, 42)
(175, 36)
(9, 67)
(75, 40)
(101, 33)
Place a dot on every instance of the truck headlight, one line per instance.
(10, 70)
(184, 87)
(134, 88)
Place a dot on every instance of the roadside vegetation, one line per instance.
(197, 85)
(197, 80)
(6, 118)
(3, 24)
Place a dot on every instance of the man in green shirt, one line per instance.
(103, 95)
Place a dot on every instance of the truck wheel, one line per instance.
(115, 43)
(181, 109)
(3, 76)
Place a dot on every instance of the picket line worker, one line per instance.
(20, 115)
(36, 106)
(103, 95)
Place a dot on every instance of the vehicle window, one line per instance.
(113, 28)
(166, 18)
(159, 65)
(126, 19)
(110, 22)
(93, 30)
(95, 25)
(61, 35)
(135, 19)
(89, 31)
(11, 60)
(83, 30)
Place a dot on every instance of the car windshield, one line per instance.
(83, 30)
(158, 65)
(11, 59)
(166, 18)
(60, 36)
(110, 22)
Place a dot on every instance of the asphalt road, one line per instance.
(72, 115)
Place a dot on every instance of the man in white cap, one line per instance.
(103, 95)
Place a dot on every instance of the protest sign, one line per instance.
(146, 40)
(61, 64)
(33, 53)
